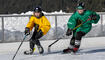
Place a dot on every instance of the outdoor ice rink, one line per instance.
(91, 49)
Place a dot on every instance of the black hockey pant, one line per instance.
(34, 39)
(76, 41)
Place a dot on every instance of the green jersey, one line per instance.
(77, 18)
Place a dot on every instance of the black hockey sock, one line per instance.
(32, 44)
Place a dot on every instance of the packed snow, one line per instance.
(91, 49)
(31, 12)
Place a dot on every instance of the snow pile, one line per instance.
(56, 12)
(27, 13)
(31, 12)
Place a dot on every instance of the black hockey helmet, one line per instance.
(38, 9)
(80, 5)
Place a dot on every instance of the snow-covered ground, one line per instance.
(91, 49)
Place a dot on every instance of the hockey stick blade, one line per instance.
(49, 47)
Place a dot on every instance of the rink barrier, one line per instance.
(2, 16)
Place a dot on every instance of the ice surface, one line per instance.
(91, 49)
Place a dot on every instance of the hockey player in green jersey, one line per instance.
(78, 17)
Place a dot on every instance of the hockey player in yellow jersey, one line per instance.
(41, 26)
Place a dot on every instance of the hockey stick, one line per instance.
(54, 43)
(19, 47)
(49, 50)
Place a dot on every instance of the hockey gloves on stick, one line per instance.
(27, 31)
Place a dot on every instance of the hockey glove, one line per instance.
(69, 32)
(39, 34)
(27, 31)
(93, 17)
